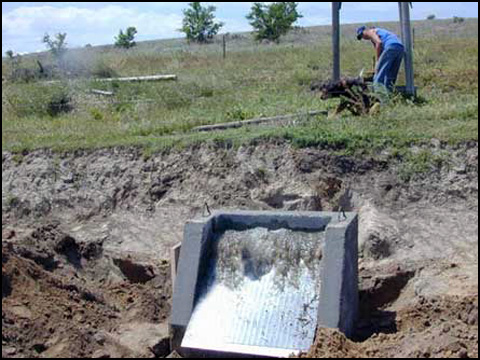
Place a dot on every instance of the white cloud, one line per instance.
(23, 24)
(26, 25)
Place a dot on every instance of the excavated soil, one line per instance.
(86, 241)
(63, 298)
(436, 328)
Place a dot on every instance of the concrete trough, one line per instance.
(244, 287)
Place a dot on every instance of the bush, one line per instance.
(60, 103)
(431, 17)
(24, 75)
(458, 20)
(273, 21)
(36, 100)
(199, 23)
(103, 71)
(126, 40)
(237, 113)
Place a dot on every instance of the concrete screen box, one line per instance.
(338, 297)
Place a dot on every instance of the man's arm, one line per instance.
(377, 42)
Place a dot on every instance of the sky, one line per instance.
(25, 23)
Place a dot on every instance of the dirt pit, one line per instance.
(86, 240)
(63, 298)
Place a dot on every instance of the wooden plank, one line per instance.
(238, 124)
(140, 78)
(122, 79)
(101, 92)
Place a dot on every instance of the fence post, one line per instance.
(224, 47)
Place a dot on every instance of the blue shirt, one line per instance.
(389, 39)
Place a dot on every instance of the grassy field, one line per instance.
(255, 80)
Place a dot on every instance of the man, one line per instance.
(390, 52)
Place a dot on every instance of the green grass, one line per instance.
(254, 81)
(421, 162)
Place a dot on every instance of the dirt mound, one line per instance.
(52, 307)
(444, 327)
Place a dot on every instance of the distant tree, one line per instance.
(126, 40)
(431, 17)
(10, 54)
(273, 21)
(14, 60)
(199, 23)
(57, 46)
(458, 20)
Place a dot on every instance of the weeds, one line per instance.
(254, 81)
(418, 164)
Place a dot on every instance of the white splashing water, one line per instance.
(262, 292)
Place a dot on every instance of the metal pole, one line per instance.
(407, 34)
(336, 39)
(400, 11)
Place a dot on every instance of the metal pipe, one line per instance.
(407, 35)
(400, 11)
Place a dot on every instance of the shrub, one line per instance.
(24, 75)
(273, 21)
(103, 71)
(431, 17)
(60, 103)
(199, 23)
(458, 20)
(237, 113)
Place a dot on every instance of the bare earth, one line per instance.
(86, 240)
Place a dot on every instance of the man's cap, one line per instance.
(360, 31)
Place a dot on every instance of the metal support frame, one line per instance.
(406, 31)
(407, 40)
(336, 6)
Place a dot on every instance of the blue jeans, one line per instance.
(388, 68)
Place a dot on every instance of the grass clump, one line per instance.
(254, 81)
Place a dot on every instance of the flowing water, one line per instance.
(260, 293)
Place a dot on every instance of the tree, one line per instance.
(431, 17)
(199, 23)
(57, 46)
(458, 20)
(10, 54)
(273, 21)
(126, 40)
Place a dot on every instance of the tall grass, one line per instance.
(255, 80)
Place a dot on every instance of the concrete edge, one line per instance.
(338, 307)
(198, 232)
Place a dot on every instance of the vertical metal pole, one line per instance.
(407, 34)
(336, 39)
(400, 11)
